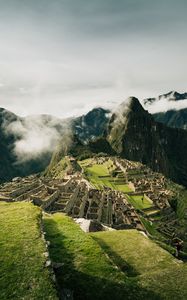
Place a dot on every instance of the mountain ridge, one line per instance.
(171, 96)
(130, 132)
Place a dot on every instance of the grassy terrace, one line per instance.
(138, 203)
(22, 272)
(154, 267)
(87, 270)
(113, 265)
(100, 176)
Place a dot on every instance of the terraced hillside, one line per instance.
(112, 265)
(155, 268)
(159, 203)
(111, 191)
(23, 274)
(138, 213)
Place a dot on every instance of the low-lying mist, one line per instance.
(36, 135)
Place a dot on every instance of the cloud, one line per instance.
(36, 136)
(164, 105)
(57, 54)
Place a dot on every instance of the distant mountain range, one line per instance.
(173, 118)
(130, 132)
(176, 118)
(171, 96)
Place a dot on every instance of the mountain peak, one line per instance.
(171, 96)
(134, 104)
(130, 104)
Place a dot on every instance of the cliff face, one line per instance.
(134, 135)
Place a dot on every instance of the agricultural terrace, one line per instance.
(23, 274)
(140, 201)
(122, 264)
(156, 269)
(101, 175)
(87, 270)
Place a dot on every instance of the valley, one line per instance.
(102, 214)
(93, 150)
(121, 206)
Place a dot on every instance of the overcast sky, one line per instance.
(64, 57)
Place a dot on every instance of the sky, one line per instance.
(64, 57)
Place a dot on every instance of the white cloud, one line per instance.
(163, 105)
(36, 136)
(62, 57)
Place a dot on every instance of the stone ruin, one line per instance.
(78, 198)
(145, 181)
(75, 197)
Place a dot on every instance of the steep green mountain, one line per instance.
(131, 132)
(134, 134)
(71, 145)
(173, 118)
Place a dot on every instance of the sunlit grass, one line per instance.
(156, 269)
(22, 260)
(139, 201)
(86, 269)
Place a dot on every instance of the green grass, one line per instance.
(151, 228)
(123, 188)
(182, 204)
(22, 271)
(87, 271)
(95, 172)
(137, 202)
(156, 269)
(58, 170)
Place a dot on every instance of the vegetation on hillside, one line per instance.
(86, 270)
(65, 165)
(23, 274)
(156, 269)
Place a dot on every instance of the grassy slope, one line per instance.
(59, 169)
(157, 269)
(86, 269)
(180, 200)
(22, 272)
